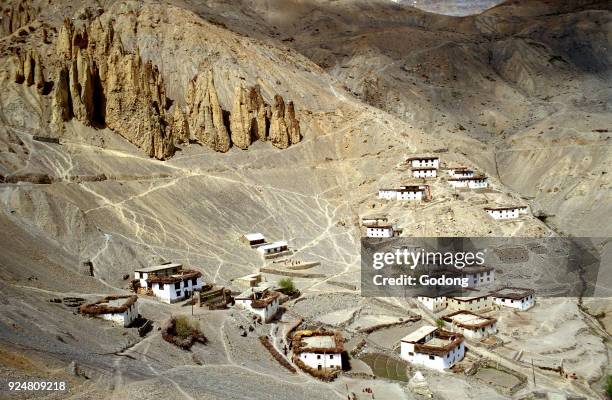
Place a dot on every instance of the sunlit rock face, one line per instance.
(452, 7)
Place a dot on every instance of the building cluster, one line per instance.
(258, 242)
(440, 348)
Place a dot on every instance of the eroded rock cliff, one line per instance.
(98, 82)
(108, 86)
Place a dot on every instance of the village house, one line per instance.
(253, 239)
(432, 303)
(318, 350)
(473, 303)
(381, 231)
(260, 301)
(433, 348)
(460, 172)
(272, 249)
(424, 162)
(168, 282)
(471, 325)
(519, 298)
(373, 219)
(474, 182)
(478, 275)
(250, 280)
(387, 194)
(120, 309)
(511, 212)
(406, 192)
(424, 172)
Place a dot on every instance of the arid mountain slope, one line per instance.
(527, 69)
(369, 90)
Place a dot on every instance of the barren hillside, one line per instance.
(345, 91)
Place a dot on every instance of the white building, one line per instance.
(473, 303)
(169, 282)
(410, 193)
(120, 309)
(319, 350)
(254, 239)
(475, 182)
(424, 162)
(273, 248)
(503, 212)
(518, 298)
(404, 193)
(433, 348)
(478, 275)
(470, 325)
(424, 172)
(259, 301)
(381, 231)
(433, 304)
(387, 194)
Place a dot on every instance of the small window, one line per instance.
(178, 293)
(177, 285)
(194, 281)
(410, 353)
(331, 356)
(432, 357)
(318, 356)
(161, 286)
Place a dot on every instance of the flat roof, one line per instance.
(504, 208)
(381, 217)
(468, 319)
(512, 293)
(473, 178)
(319, 341)
(272, 245)
(254, 236)
(162, 267)
(423, 158)
(379, 226)
(419, 334)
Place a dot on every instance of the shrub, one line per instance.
(440, 323)
(183, 326)
(182, 332)
(608, 386)
(287, 285)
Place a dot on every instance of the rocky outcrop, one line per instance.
(107, 86)
(180, 126)
(101, 84)
(240, 119)
(260, 112)
(61, 104)
(205, 113)
(17, 15)
(279, 131)
(293, 125)
(29, 70)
